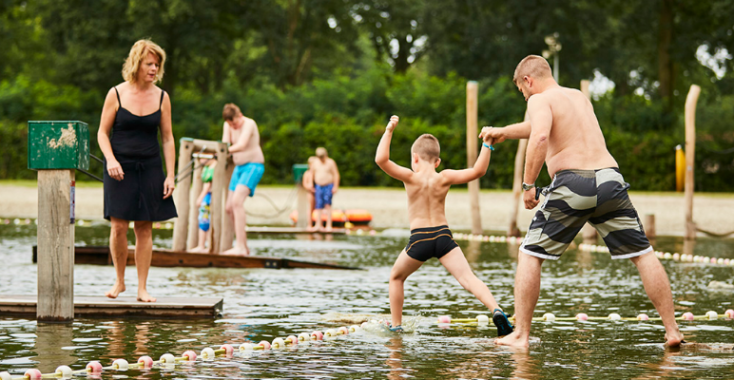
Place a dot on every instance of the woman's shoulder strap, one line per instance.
(118, 96)
(163, 93)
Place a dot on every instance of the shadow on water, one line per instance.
(263, 304)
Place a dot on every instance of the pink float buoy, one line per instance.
(228, 350)
(643, 317)
(582, 317)
(94, 367)
(264, 344)
(713, 260)
(146, 361)
(293, 340)
(729, 314)
(317, 335)
(34, 374)
(444, 319)
(189, 355)
(344, 330)
(688, 316)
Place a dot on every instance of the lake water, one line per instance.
(262, 304)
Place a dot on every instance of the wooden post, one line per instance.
(227, 222)
(55, 245)
(649, 225)
(690, 117)
(588, 231)
(522, 147)
(196, 187)
(219, 186)
(471, 154)
(181, 195)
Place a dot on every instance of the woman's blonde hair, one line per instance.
(138, 52)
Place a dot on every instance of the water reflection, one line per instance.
(49, 340)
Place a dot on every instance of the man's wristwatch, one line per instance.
(526, 187)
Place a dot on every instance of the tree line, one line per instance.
(331, 72)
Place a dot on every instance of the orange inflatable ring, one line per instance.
(340, 216)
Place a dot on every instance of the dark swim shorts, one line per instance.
(579, 196)
(430, 242)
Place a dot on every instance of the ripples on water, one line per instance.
(262, 304)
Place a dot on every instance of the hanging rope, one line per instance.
(278, 210)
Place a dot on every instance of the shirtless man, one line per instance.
(326, 180)
(429, 232)
(242, 133)
(564, 133)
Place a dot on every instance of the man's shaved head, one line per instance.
(533, 66)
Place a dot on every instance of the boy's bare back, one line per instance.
(426, 187)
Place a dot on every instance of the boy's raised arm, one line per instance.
(382, 157)
(455, 177)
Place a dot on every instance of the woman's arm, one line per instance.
(169, 147)
(109, 109)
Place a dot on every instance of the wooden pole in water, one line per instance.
(192, 239)
(55, 245)
(181, 195)
(649, 225)
(522, 147)
(219, 186)
(472, 90)
(588, 231)
(227, 222)
(690, 120)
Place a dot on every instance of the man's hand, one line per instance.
(495, 134)
(392, 124)
(529, 198)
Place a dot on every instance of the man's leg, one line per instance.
(404, 267)
(118, 251)
(317, 226)
(237, 208)
(143, 256)
(657, 287)
(456, 264)
(527, 290)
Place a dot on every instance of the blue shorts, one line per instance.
(205, 212)
(323, 196)
(247, 175)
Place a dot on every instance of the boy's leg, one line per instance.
(237, 208)
(327, 210)
(317, 220)
(456, 264)
(404, 266)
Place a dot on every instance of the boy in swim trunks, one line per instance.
(242, 133)
(430, 234)
(326, 181)
(204, 201)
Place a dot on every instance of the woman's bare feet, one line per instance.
(116, 290)
(143, 296)
(513, 340)
(237, 251)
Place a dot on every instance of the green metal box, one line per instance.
(58, 145)
(298, 170)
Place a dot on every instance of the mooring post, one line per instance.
(304, 209)
(472, 89)
(181, 195)
(219, 191)
(227, 222)
(56, 149)
(690, 121)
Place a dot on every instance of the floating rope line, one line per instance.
(168, 360)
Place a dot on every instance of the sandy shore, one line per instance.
(389, 207)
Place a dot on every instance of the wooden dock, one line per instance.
(100, 255)
(294, 230)
(164, 307)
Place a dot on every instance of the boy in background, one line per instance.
(429, 232)
(326, 184)
(204, 201)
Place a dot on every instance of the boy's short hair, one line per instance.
(321, 152)
(230, 111)
(427, 147)
(533, 66)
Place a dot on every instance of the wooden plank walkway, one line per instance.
(100, 255)
(294, 230)
(88, 306)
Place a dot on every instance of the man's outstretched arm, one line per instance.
(541, 120)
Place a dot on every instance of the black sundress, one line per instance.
(139, 196)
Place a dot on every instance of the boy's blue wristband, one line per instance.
(491, 147)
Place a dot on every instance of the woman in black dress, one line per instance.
(135, 187)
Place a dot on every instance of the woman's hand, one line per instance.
(115, 170)
(168, 185)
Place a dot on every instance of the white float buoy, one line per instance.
(614, 317)
(482, 319)
(549, 317)
(208, 354)
(168, 359)
(63, 371)
(712, 315)
(120, 365)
